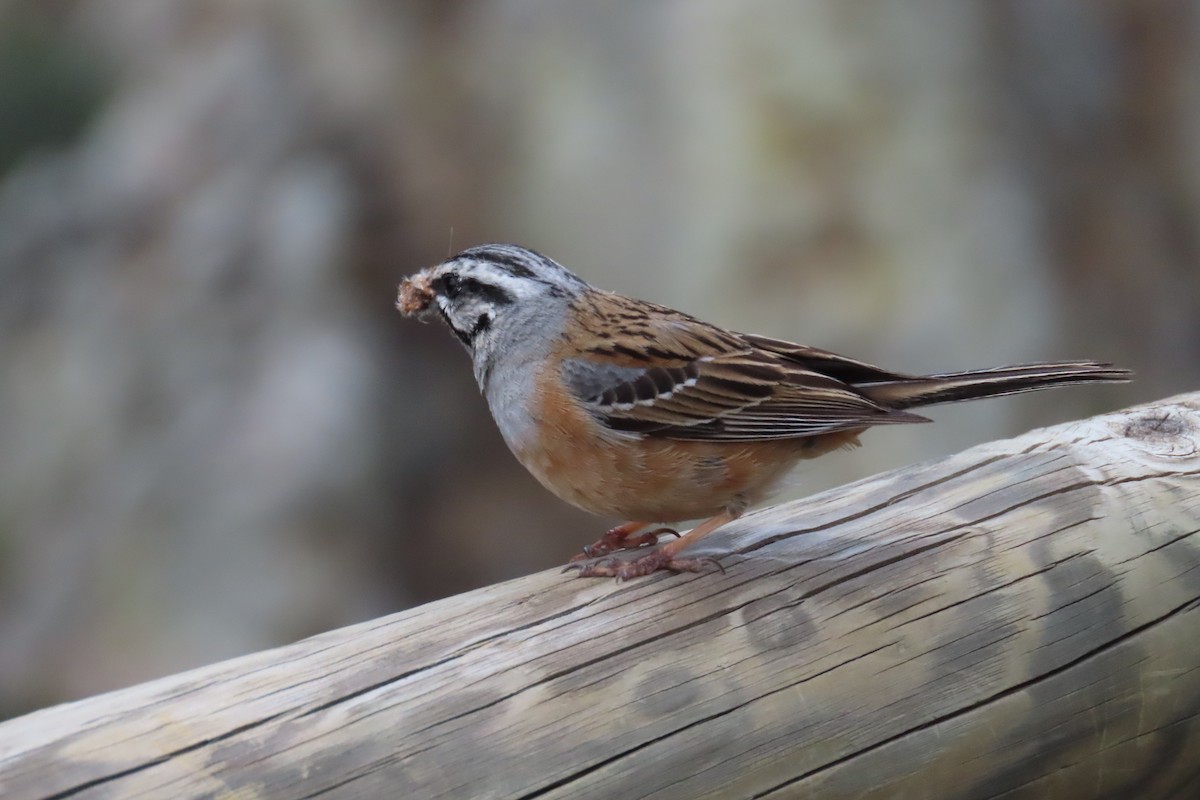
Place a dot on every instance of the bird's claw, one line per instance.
(622, 570)
(612, 542)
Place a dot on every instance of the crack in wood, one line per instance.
(898, 498)
(103, 779)
(1190, 605)
(591, 768)
(994, 589)
(1156, 548)
(1105, 588)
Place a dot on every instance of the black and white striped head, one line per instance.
(492, 288)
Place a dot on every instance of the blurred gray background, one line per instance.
(217, 435)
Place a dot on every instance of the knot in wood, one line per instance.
(1168, 430)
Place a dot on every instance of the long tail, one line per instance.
(954, 386)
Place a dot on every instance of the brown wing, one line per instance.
(651, 370)
(846, 369)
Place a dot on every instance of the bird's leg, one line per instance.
(621, 538)
(662, 557)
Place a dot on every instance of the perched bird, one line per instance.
(630, 409)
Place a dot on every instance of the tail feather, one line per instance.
(952, 387)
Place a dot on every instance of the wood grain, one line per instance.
(1021, 620)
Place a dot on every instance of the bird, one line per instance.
(633, 410)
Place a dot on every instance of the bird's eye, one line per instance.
(450, 285)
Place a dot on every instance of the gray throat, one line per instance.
(507, 367)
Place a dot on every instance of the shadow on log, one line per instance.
(1021, 620)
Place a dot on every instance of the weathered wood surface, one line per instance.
(1021, 620)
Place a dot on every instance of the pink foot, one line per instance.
(621, 538)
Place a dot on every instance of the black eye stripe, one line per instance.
(492, 293)
(453, 287)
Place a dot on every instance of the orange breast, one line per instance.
(648, 478)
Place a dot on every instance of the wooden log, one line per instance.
(1021, 620)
